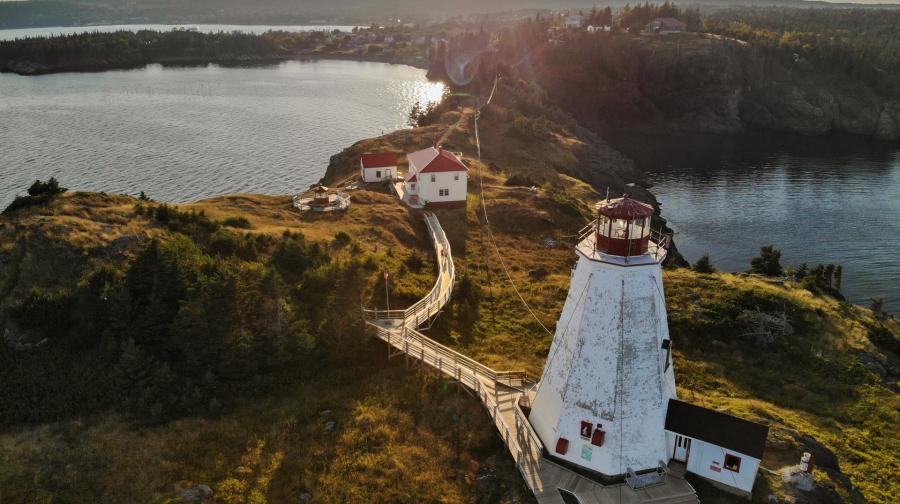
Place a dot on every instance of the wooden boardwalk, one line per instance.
(501, 393)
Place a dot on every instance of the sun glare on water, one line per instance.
(428, 93)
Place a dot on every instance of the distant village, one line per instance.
(414, 42)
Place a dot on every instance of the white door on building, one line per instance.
(682, 448)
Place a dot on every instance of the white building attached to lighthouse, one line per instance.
(609, 382)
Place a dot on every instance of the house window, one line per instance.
(412, 186)
(456, 177)
(732, 463)
(432, 178)
(377, 173)
(443, 192)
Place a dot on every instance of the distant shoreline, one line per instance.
(101, 51)
(28, 69)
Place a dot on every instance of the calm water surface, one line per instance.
(834, 200)
(189, 133)
(15, 33)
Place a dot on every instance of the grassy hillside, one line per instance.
(262, 433)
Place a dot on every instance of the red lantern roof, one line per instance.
(624, 208)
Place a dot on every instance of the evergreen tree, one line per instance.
(703, 265)
(828, 275)
(768, 262)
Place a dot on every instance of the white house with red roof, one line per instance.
(436, 177)
(378, 167)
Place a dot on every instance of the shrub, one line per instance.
(415, 262)
(703, 265)
(38, 194)
(768, 262)
(423, 115)
(237, 222)
(467, 300)
(224, 244)
(877, 307)
(341, 239)
(528, 129)
(881, 337)
(191, 222)
(521, 180)
(293, 256)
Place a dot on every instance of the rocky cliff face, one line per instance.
(699, 83)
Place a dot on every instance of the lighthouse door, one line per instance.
(682, 448)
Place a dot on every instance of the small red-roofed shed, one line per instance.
(378, 166)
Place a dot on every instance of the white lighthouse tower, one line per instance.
(602, 399)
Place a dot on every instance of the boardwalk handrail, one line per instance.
(402, 334)
(439, 295)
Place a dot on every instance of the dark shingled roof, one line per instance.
(720, 429)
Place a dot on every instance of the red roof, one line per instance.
(444, 162)
(411, 179)
(624, 208)
(379, 160)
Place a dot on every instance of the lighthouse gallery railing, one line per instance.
(657, 237)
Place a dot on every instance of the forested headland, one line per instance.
(125, 49)
(809, 71)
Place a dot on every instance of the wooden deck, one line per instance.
(501, 393)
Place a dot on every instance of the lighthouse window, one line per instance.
(640, 228)
(620, 228)
(732, 463)
(587, 428)
(603, 225)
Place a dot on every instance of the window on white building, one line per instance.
(432, 178)
(732, 462)
(377, 173)
(456, 177)
(444, 192)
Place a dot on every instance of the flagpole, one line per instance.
(386, 295)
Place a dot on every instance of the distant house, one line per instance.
(665, 25)
(436, 177)
(378, 167)
(599, 29)
(573, 21)
(721, 448)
